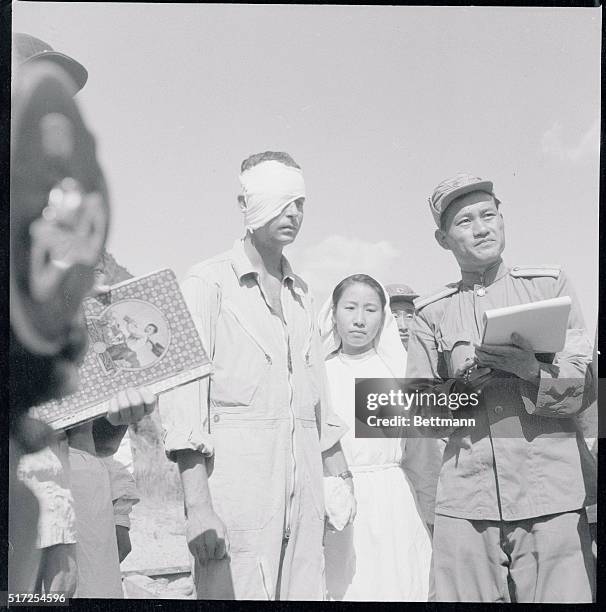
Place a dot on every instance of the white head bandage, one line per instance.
(268, 188)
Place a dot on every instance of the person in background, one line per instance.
(48, 335)
(44, 471)
(47, 285)
(385, 554)
(587, 421)
(124, 496)
(510, 509)
(104, 493)
(589, 425)
(119, 464)
(401, 303)
(103, 489)
(252, 440)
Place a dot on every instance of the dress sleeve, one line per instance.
(564, 385)
(184, 410)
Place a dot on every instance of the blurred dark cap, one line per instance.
(28, 48)
(400, 291)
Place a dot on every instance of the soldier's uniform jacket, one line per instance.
(525, 457)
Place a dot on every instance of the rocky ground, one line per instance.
(157, 530)
(158, 547)
(157, 537)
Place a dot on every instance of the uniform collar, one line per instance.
(489, 276)
(243, 266)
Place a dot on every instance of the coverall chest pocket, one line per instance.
(241, 366)
(458, 351)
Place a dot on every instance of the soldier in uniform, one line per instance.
(510, 520)
(401, 298)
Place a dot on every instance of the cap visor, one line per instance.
(76, 70)
(404, 298)
(459, 191)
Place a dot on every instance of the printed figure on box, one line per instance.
(129, 335)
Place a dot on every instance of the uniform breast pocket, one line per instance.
(458, 351)
(241, 369)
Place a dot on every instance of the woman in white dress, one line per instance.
(385, 554)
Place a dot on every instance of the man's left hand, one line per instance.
(130, 406)
(517, 358)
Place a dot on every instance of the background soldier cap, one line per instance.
(451, 188)
(400, 291)
(27, 48)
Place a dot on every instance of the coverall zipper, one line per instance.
(287, 528)
(292, 422)
(286, 535)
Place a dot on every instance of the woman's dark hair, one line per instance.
(352, 280)
(257, 158)
(154, 326)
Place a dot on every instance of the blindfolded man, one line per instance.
(251, 440)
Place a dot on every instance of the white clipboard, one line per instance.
(542, 323)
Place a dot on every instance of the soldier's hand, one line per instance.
(130, 406)
(517, 358)
(206, 534)
(474, 379)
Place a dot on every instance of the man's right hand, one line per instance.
(474, 378)
(206, 535)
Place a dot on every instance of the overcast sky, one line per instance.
(377, 104)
